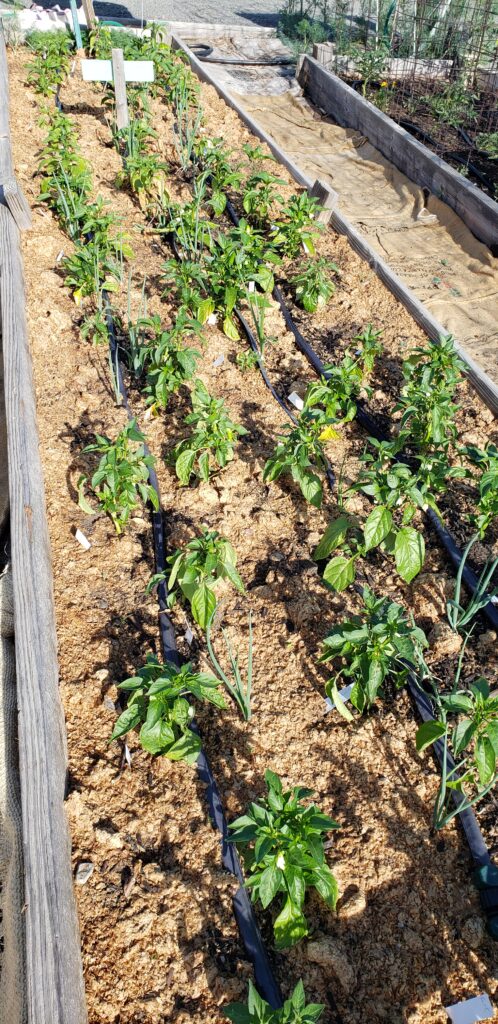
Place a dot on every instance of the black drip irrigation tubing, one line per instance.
(204, 53)
(245, 917)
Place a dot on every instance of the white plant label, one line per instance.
(471, 1010)
(101, 70)
(80, 537)
(296, 401)
(345, 694)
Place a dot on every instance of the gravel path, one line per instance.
(228, 12)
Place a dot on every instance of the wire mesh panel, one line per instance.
(432, 65)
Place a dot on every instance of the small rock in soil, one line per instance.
(84, 871)
(444, 641)
(330, 954)
(473, 931)
(486, 643)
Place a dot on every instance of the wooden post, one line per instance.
(90, 18)
(76, 25)
(327, 198)
(118, 74)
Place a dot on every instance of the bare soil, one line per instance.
(158, 935)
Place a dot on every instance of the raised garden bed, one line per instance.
(159, 938)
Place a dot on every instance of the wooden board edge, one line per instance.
(54, 975)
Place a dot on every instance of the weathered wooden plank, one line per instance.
(349, 109)
(434, 330)
(89, 13)
(328, 199)
(11, 194)
(54, 977)
(118, 74)
(53, 960)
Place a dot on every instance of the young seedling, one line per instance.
(194, 570)
(211, 445)
(121, 480)
(257, 1011)
(284, 855)
(378, 645)
(239, 690)
(158, 703)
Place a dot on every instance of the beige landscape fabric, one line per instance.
(420, 237)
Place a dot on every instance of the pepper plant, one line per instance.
(194, 570)
(298, 229)
(50, 64)
(284, 855)
(212, 442)
(163, 356)
(301, 451)
(426, 401)
(257, 1011)
(158, 703)
(312, 284)
(259, 195)
(378, 645)
(486, 461)
(121, 480)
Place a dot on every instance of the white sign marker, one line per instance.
(296, 401)
(471, 1010)
(101, 71)
(80, 537)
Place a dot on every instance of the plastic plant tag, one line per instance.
(296, 401)
(250, 286)
(344, 694)
(471, 1010)
(80, 537)
(101, 70)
